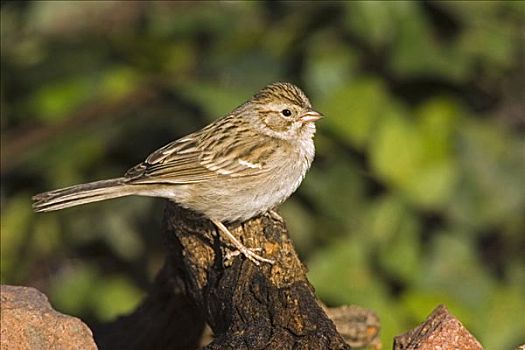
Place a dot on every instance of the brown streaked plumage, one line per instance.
(241, 165)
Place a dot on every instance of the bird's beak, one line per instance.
(311, 116)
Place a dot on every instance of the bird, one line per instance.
(239, 166)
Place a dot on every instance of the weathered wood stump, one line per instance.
(246, 306)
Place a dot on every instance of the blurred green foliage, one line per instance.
(417, 194)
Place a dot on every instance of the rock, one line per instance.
(441, 330)
(29, 322)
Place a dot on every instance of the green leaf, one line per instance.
(493, 171)
(118, 82)
(354, 110)
(115, 296)
(396, 232)
(416, 157)
(341, 275)
(82, 288)
(71, 290)
(330, 64)
(57, 100)
(15, 223)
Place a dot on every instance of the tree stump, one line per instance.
(246, 306)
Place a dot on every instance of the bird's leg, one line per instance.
(275, 215)
(228, 257)
(248, 253)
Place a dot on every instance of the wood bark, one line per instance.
(246, 306)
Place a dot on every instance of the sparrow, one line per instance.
(242, 165)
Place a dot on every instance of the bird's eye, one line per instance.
(286, 112)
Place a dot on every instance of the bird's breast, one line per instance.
(284, 176)
(241, 198)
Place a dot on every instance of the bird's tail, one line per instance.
(82, 194)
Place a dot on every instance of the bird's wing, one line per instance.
(202, 157)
